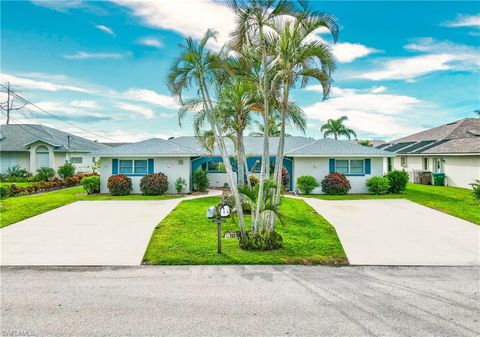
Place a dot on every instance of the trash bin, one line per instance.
(426, 178)
(438, 179)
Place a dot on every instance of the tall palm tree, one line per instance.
(253, 20)
(336, 128)
(295, 117)
(299, 59)
(196, 69)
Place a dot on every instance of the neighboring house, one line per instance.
(180, 157)
(453, 149)
(33, 146)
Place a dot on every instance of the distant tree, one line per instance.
(477, 111)
(336, 128)
(365, 143)
(11, 100)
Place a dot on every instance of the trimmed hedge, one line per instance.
(398, 181)
(335, 183)
(154, 184)
(306, 184)
(119, 184)
(378, 185)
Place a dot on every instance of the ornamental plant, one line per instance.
(91, 184)
(200, 180)
(45, 174)
(306, 184)
(154, 184)
(66, 170)
(119, 184)
(378, 185)
(180, 183)
(398, 181)
(335, 183)
(476, 189)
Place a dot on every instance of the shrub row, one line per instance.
(150, 184)
(393, 182)
(42, 186)
(333, 183)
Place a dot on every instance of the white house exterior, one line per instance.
(32, 146)
(453, 149)
(180, 157)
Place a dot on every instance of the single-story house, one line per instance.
(453, 149)
(33, 146)
(180, 157)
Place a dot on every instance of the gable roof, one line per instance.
(18, 137)
(294, 146)
(459, 137)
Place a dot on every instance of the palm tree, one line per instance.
(336, 128)
(196, 69)
(477, 111)
(253, 20)
(295, 117)
(299, 59)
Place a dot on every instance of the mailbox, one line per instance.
(225, 211)
(210, 212)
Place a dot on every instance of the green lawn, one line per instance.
(456, 201)
(185, 236)
(19, 208)
(21, 184)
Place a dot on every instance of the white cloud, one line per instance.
(84, 104)
(150, 42)
(369, 112)
(167, 115)
(438, 56)
(150, 96)
(465, 21)
(105, 29)
(58, 5)
(68, 110)
(81, 55)
(141, 110)
(189, 18)
(346, 52)
(32, 83)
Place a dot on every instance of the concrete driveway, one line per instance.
(400, 232)
(86, 233)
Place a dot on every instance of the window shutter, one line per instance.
(114, 166)
(368, 166)
(150, 166)
(331, 165)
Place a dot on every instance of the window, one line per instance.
(389, 164)
(215, 166)
(126, 167)
(425, 164)
(403, 161)
(341, 166)
(141, 167)
(133, 166)
(353, 166)
(76, 160)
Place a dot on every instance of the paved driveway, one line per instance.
(400, 232)
(85, 233)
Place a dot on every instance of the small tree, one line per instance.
(66, 170)
(180, 183)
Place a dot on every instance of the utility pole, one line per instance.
(9, 103)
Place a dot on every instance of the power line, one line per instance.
(56, 117)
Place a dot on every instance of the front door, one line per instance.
(438, 165)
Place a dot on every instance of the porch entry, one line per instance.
(215, 165)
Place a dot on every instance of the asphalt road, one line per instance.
(240, 301)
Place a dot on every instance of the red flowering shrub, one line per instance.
(119, 185)
(335, 183)
(285, 178)
(154, 184)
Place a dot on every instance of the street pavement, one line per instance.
(240, 301)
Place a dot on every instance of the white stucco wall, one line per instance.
(218, 179)
(460, 171)
(168, 166)
(319, 168)
(9, 159)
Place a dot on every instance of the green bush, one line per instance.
(91, 184)
(180, 183)
(4, 191)
(15, 172)
(306, 184)
(66, 170)
(476, 189)
(119, 185)
(262, 241)
(200, 180)
(378, 185)
(398, 181)
(154, 184)
(45, 174)
(335, 183)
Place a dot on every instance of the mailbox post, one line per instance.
(218, 215)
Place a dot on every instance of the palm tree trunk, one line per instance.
(240, 159)
(265, 156)
(223, 151)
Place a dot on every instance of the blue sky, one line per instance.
(402, 66)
